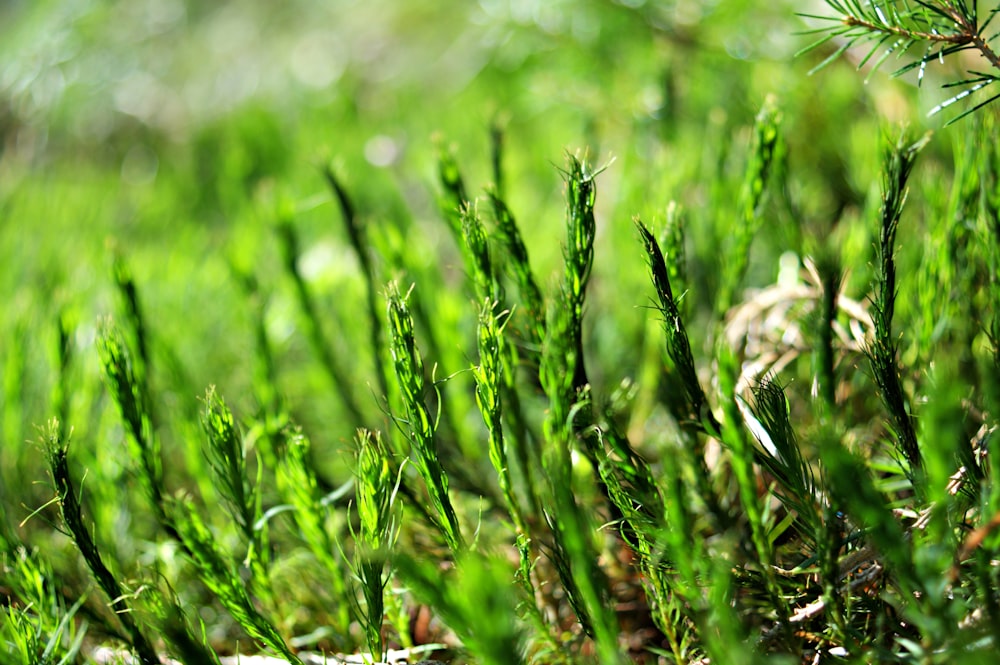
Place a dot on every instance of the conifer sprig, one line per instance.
(936, 28)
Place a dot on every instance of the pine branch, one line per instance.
(942, 28)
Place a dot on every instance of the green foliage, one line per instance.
(473, 599)
(127, 389)
(233, 479)
(764, 432)
(764, 151)
(43, 630)
(227, 458)
(489, 374)
(678, 345)
(520, 267)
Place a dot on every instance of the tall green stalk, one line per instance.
(228, 460)
(375, 493)
(311, 322)
(212, 565)
(408, 365)
(358, 237)
(68, 496)
(130, 395)
(764, 151)
(882, 351)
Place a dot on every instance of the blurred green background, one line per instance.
(170, 133)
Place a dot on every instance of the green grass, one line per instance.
(603, 333)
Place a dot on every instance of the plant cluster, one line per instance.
(803, 472)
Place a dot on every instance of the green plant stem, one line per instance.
(882, 351)
(211, 564)
(496, 155)
(130, 294)
(409, 368)
(520, 267)
(830, 275)
(678, 344)
(375, 492)
(313, 329)
(128, 392)
(299, 486)
(699, 417)
(62, 390)
(357, 235)
(66, 492)
(489, 386)
(573, 552)
(454, 197)
(227, 459)
(764, 152)
(735, 437)
(581, 193)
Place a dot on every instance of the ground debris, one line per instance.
(109, 656)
